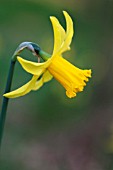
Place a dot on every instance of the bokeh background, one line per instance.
(45, 130)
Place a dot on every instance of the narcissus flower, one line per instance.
(70, 77)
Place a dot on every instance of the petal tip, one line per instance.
(64, 12)
(19, 58)
(6, 95)
(51, 17)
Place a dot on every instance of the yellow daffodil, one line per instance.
(70, 77)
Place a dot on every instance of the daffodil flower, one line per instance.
(69, 76)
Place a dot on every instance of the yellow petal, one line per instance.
(69, 33)
(45, 78)
(33, 67)
(59, 34)
(22, 90)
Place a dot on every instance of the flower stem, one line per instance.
(34, 48)
(5, 100)
(45, 56)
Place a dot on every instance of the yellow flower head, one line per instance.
(70, 77)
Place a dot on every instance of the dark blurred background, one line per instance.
(45, 130)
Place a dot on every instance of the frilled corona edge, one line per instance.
(69, 76)
(72, 78)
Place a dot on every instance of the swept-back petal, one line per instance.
(69, 33)
(22, 90)
(59, 34)
(45, 78)
(33, 67)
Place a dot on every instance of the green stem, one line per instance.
(5, 100)
(45, 56)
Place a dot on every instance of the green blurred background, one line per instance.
(45, 130)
